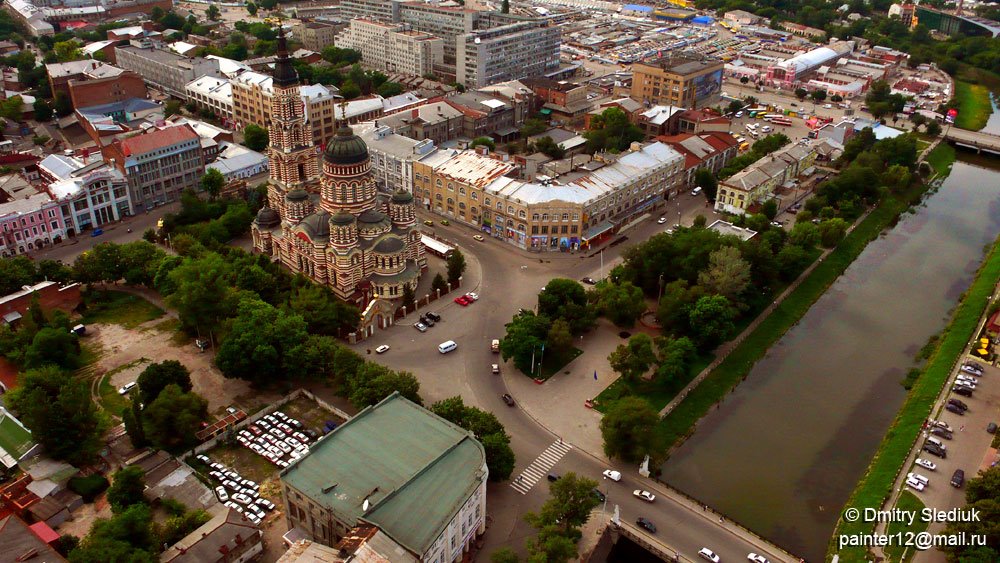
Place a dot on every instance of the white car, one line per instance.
(757, 558)
(926, 464)
(242, 498)
(382, 349)
(613, 475)
(918, 477)
(473, 296)
(661, 220)
(222, 494)
(203, 458)
(644, 495)
(126, 388)
(941, 424)
(478, 238)
(827, 106)
(739, 114)
(914, 484)
(234, 506)
(265, 504)
(708, 554)
(253, 518)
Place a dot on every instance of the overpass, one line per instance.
(977, 140)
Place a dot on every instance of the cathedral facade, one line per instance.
(324, 217)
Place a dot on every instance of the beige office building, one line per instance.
(394, 47)
(251, 98)
(679, 80)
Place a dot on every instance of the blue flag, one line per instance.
(595, 375)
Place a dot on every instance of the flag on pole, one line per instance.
(595, 375)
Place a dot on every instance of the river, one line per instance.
(786, 448)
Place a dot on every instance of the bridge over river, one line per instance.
(978, 140)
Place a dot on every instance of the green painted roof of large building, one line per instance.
(15, 439)
(415, 468)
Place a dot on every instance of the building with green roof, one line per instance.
(15, 439)
(417, 477)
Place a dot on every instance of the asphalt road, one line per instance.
(68, 250)
(506, 280)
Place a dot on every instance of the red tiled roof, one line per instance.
(720, 139)
(44, 532)
(157, 139)
(466, 111)
(8, 374)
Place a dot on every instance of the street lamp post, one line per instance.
(660, 294)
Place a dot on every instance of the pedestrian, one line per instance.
(706, 508)
(962, 429)
(721, 518)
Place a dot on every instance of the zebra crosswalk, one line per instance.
(540, 467)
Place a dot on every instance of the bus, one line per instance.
(781, 121)
(436, 247)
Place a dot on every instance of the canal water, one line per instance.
(784, 450)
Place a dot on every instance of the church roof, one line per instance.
(389, 245)
(371, 217)
(317, 225)
(346, 148)
(267, 217)
(297, 194)
(284, 72)
(402, 197)
(342, 218)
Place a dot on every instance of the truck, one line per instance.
(495, 346)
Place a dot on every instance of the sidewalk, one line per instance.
(557, 404)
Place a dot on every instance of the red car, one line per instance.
(463, 300)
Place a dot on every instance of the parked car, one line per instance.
(382, 349)
(958, 403)
(433, 316)
(941, 424)
(420, 326)
(661, 221)
(926, 464)
(941, 432)
(972, 370)
(601, 497)
(495, 369)
(976, 365)
(265, 504)
(552, 477)
(991, 428)
(645, 524)
(918, 477)
(613, 475)
(126, 388)
(914, 484)
(203, 458)
(589, 281)
(472, 296)
(97, 232)
(507, 399)
(955, 409)
(962, 390)
(708, 554)
(644, 495)
(958, 478)
(934, 449)
(426, 320)
(756, 558)
(222, 494)
(478, 238)
(463, 300)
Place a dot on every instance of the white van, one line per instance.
(696, 190)
(446, 347)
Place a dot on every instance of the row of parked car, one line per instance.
(276, 436)
(242, 495)
(426, 321)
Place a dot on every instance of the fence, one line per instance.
(427, 300)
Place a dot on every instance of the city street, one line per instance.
(69, 249)
(507, 278)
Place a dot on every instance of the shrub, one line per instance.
(89, 487)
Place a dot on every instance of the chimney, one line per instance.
(415, 112)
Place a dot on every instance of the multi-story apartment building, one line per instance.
(90, 195)
(510, 48)
(751, 186)
(393, 47)
(486, 115)
(252, 93)
(708, 150)
(166, 70)
(212, 94)
(379, 10)
(681, 79)
(435, 465)
(392, 156)
(547, 214)
(438, 121)
(159, 164)
(563, 100)
(448, 23)
(89, 91)
(316, 36)
(60, 74)
(29, 219)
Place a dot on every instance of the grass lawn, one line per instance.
(679, 423)
(553, 364)
(14, 438)
(876, 485)
(974, 107)
(118, 307)
(941, 158)
(909, 502)
(656, 395)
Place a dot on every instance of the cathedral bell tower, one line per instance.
(293, 159)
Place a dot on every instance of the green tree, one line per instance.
(127, 536)
(611, 130)
(550, 148)
(43, 112)
(390, 89)
(251, 8)
(933, 128)
(559, 341)
(711, 320)
(801, 93)
(173, 107)
(571, 499)
(675, 355)
(484, 141)
(132, 418)
(171, 421)
(373, 382)
(728, 274)
(67, 51)
(157, 376)
(409, 299)
(16, 272)
(59, 411)
(982, 495)
(818, 95)
(438, 283)
(12, 108)
(456, 266)
(213, 12)
(832, 231)
(212, 182)
(791, 260)
(260, 343)
(704, 178)
(322, 311)
(675, 305)
(126, 489)
(622, 303)
(627, 429)
(770, 209)
(202, 292)
(566, 299)
(255, 137)
(524, 339)
(550, 545)
(533, 126)
(52, 346)
(805, 235)
(504, 554)
(487, 429)
(633, 358)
